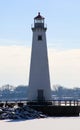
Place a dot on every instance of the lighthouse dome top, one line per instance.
(39, 17)
(39, 22)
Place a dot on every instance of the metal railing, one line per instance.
(35, 102)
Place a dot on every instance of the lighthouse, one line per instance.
(39, 79)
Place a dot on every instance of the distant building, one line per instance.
(39, 80)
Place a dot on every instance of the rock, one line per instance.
(20, 113)
(1, 111)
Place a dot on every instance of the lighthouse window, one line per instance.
(39, 37)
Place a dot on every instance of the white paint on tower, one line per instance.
(39, 80)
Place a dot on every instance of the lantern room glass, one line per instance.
(39, 21)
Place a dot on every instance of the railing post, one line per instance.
(77, 103)
(59, 103)
(74, 102)
(65, 103)
(70, 103)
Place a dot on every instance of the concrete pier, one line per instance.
(50, 108)
(58, 110)
(57, 107)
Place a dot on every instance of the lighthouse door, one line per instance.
(40, 95)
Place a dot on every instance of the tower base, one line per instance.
(39, 103)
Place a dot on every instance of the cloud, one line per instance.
(64, 66)
(14, 64)
(10, 42)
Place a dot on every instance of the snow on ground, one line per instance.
(67, 123)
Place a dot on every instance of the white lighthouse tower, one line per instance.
(39, 80)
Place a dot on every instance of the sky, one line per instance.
(63, 40)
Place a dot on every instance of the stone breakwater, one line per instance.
(19, 113)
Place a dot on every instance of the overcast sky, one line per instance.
(63, 39)
(15, 66)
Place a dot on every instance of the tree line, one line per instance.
(8, 92)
